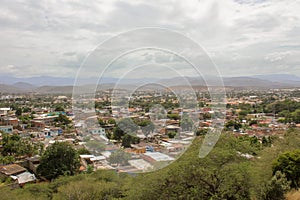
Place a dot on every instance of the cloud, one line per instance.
(243, 37)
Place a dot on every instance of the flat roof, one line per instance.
(140, 164)
(12, 169)
(157, 156)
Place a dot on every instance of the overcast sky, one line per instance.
(243, 37)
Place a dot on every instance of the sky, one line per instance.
(242, 37)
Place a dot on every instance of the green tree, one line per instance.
(59, 159)
(129, 139)
(119, 157)
(276, 188)
(82, 151)
(296, 116)
(233, 124)
(201, 132)
(95, 145)
(101, 122)
(171, 134)
(186, 123)
(59, 108)
(147, 127)
(18, 112)
(173, 116)
(127, 125)
(118, 133)
(14, 145)
(289, 164)
(63, 119)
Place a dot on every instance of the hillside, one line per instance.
(223, 174)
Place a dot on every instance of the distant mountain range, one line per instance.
(47, 84)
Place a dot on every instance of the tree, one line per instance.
(59, 159)
(111, 121)
(276, 188)
(171, 134)
(95, 145)
(59, 108)
(63, 119)
(129, 139)
(101, 122)
(233, 124)
(147, 127)
(173, 116)
(186, 123)
(18, 112)
(201, 132)
(119, 157)
(126, 141)
(289, 164)
(127, 125)
(82, 151)
(14, 145)
(118, 133)
(296, 116)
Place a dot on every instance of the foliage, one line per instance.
(94, 145)
(186, 123)
(233, 124)
(14, 145)
(118, 133)
(19, 112)
(173, 116)
(63, 119)
(129, 139)
(171, 134)
(127, 125)
(280, 106)
(289, 164)
(59, 108)
(201, 132)
(119, 157)
(276, 188)
(83, 151)
(222, 174)
(59, 159)
(147, 127)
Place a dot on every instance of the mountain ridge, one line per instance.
(65, 85)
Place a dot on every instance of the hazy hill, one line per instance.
(65, 85)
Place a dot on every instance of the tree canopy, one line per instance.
(59, 159)
(289, 164)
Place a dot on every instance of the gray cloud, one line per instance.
(243, 37)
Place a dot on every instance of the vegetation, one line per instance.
(129, 139)
(14, 146)
(289, 164)
(171, 134)
(59, 159)
(225, 173)
(119, 157)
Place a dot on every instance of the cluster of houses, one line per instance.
(154, 150)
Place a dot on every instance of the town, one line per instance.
(156, 131)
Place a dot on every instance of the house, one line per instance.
(172, 128)
(6, 129)
(97, 131)
(11, 170)
(52, 132)
(47, 120)
(32, 163)
(25, 177)
(12, 121)
(4, 111)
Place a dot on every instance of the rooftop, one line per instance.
(11, 169)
